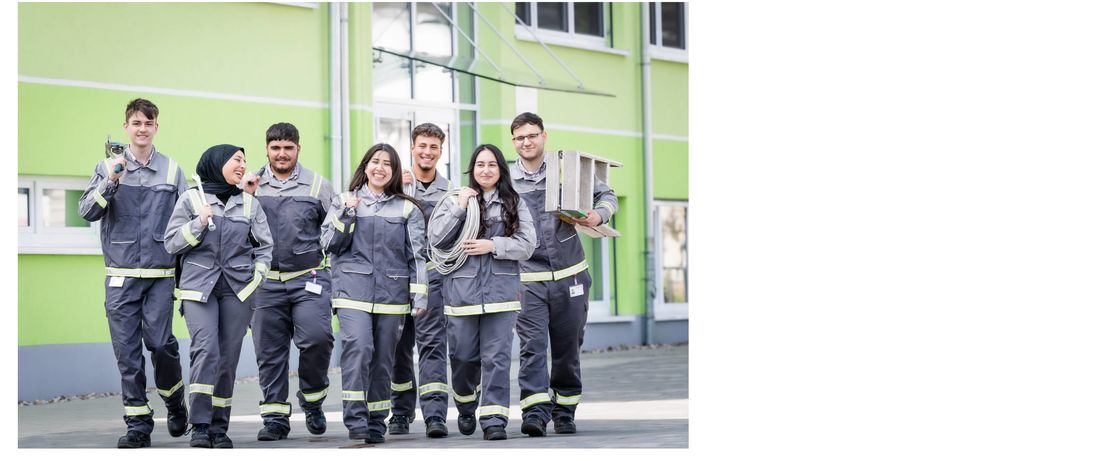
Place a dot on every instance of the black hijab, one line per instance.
(210, 168)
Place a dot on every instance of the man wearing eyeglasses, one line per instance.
(554, 290)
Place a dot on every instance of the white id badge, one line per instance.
(576, 290)
(313, 288)
(115, 282)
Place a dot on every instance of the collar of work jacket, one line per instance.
(438, 184)
(133, 163)
(232, 201)
(517, 172)
(492, 197)
(268, 177)
(369, 198)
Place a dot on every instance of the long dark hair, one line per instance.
(504, 188)
(393, 187)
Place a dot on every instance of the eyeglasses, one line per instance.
(531, 137)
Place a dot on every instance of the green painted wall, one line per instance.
(278, 51)
(257, 49)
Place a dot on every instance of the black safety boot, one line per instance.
(565, 425)
(315, 421)
(495, 433)
(467, 424)
(200, 437)
(534, 426)
(221, 441)
(435, 427)
(177, 420)
(375, 437)
(398, 424)
(134, 439)
(358, 433)
(271, 432)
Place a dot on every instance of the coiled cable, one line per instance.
(447, 261)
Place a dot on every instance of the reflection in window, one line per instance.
(552, 16)
(391, 26)
(587, 18)
(524, 12)
(673, 24)
(672, 220)
(60, 208)
(396, 132)
(24, 207)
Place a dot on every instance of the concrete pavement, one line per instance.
(635, 398)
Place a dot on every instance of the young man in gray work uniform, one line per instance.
(429, 331)
(133, 206)
(295, 300)
(555, 289)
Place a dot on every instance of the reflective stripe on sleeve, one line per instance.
(418, 288)
(189, 295)
(188, 235)
(607, 206)
(169, 392)
(247, 290)
(221, 402)
(274, 408)
(201, 388)
(533, 399)
(493, 410)
(99, 198)
(434, 387)
(354, 395)
(401, 387)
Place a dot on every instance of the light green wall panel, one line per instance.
(186, 127)
(257, 49)
(670, 169)
(75, 314)
(670, 97)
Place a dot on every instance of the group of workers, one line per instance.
(280, 252)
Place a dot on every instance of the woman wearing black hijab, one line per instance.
(225, 245)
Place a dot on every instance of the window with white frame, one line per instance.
(667, 30)
(49, 217)
(577, 24)
(671, 261)
(599, 257)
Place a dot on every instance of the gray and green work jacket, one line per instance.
(559, 254)
(133, 214)
(377, 254)
(227, 250)
(428, 198)
(487, 283)
(295, 210)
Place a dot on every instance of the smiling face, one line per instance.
(379, 171)
(140, 130)
(529, 141)
(486, 172)
(235, 167)
(282, 155)
(426, 151)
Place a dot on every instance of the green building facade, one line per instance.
(348, 76)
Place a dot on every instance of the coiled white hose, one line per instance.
(446, 262)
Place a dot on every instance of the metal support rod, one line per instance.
(544, 45)
(511, 47)
(649, 242)
(472, 42)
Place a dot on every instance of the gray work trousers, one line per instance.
(550, 314)
(428, 333)
(369, 344)
(140, 313)
(217, 328)
(481, 352)
(285, 311)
